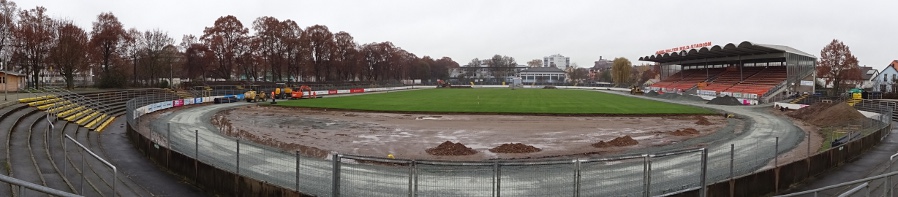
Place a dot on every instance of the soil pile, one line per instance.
(725, 100)
(651, 93)
(515, 148)
(451, 149)
(619, 141)
(702, 120)
(675, 96)
(828, 114)
(806, 113)
(838, 115)
(685, 132)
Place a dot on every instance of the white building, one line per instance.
(887, 78)
(557, 60)
(543, 75)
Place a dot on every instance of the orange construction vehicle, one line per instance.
(304, 91)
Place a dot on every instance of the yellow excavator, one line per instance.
(253, 96)
(282, 91)
(636, 91)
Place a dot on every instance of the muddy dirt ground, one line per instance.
(408, 136)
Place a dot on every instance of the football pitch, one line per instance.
(500, 100)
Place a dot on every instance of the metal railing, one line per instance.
(83, 169)
(648, 174)
(28, 185)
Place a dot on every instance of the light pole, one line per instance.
(171, 83)
(5, 80)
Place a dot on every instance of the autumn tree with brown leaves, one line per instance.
(224, 39)
(198, 59)
(319, 45)
(345, 53)
(837, 66)
(69, 54)
(106, 38)
(35, 36)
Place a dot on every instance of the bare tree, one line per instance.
(535, 63)
(156, 60)
(131, 48)
(8, 19)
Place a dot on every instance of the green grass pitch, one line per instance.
(499, 100)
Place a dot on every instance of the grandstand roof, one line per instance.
(543, 69)
(728, 51)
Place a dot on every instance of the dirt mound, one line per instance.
(685, 132)
(806, 113)
(837, 115)
(702, 120)
(451, 149)
(515, 148)
(548, 87)
(828, 114)
(619, 141)
(725, 100)
(651, 93)
(675, 96)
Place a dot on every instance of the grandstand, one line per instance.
(756, 72)
(35, 150)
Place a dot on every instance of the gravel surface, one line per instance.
(752, 139)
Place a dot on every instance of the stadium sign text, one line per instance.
(683, 48)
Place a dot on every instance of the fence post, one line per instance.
(577, 178)
(168, 142)
(297, 171)
(647, 174)
(336, 176)
(497, 178)
(416, 177)
(809, 143)
(196, 156)
(704, 190)
(411, 178)
(82, 172)
(65, 154)
(236, 178)
(776, 149)
(732, 159)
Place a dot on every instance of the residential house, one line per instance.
(887, 79)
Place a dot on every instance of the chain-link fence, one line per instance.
(649, 174)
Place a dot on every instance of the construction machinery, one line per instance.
(304, 91)
(442, 84)
(635, 90)
(253, 96)
(282, 91)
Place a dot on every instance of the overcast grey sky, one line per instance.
(525, 29)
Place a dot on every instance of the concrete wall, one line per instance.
(208, 178)
(780, 179)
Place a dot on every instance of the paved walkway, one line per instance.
(874, 162)
(136, 166)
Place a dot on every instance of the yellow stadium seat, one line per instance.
(105, 124)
